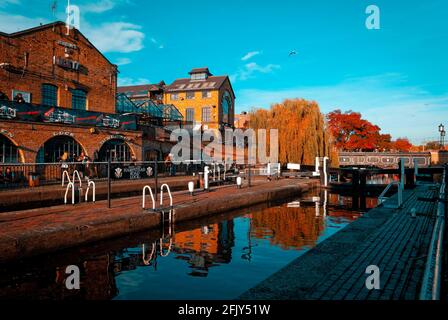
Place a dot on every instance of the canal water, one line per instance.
(215, 258)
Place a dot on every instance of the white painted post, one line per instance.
(317, 165)
(206, 173)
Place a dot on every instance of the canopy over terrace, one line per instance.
(148, 109)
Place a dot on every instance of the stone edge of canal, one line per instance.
(29, 244)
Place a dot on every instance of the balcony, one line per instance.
(28, 112)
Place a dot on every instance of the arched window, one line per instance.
(226, 106)
(79, 99)
(116, 149)
(9, 153)
(49, 95)
(58, 148)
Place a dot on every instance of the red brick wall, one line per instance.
(30, 137)
(31, 54)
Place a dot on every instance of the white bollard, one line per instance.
(191, 188)
(206, 173)
(239, 182)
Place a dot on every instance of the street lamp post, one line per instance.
(442, 136)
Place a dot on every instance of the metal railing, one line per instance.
(25, 175)
(432, 277)
(383, 196)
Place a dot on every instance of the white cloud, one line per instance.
(250, 55)
(126, 81)
(250, 70)
(12, 23)
(386, 100)
(101, 6)
(123, 61)
(116, 37)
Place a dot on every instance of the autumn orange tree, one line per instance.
(402, 144)
(301, 127)
(353, 133)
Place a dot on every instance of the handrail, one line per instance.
(91, 183)
(65, 174)
(77, 175)
(152, 198)
(167, 187)
(382, 197)
(430, 289)
(72, 186)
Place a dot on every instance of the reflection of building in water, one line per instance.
(288, 227)
(201, 248)
(97, 282)
(204, 247)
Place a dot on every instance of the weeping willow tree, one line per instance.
(301, 129)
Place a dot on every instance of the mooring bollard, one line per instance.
(239, 182)
(191, 188)
(206, 173)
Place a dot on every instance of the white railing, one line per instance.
(432, 277)
(72, 187)
(91, 184)
(152, 198)
(65, 174)
(167, 187)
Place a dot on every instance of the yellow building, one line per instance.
(203, 99)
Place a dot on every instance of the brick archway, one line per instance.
(56, 146)
(118, 141)
(20, 155)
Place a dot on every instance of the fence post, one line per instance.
(156, 177)
(108, 182)
(250, 177)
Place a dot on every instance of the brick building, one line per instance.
(58, 95)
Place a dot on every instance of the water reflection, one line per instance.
(216, 258)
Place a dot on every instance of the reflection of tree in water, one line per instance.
(288, 227)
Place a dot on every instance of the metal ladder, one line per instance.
(72, 184)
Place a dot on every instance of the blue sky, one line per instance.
(397, 77)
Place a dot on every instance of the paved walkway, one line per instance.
(46, 196)
(391, 239)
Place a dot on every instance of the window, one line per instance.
(174, 96)
(49, 95)
(206, 94)
(189, 114)
(190, 95)
(198, 76)
(79, 99)
(206, 114)
(9, 153)
(226, 106)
